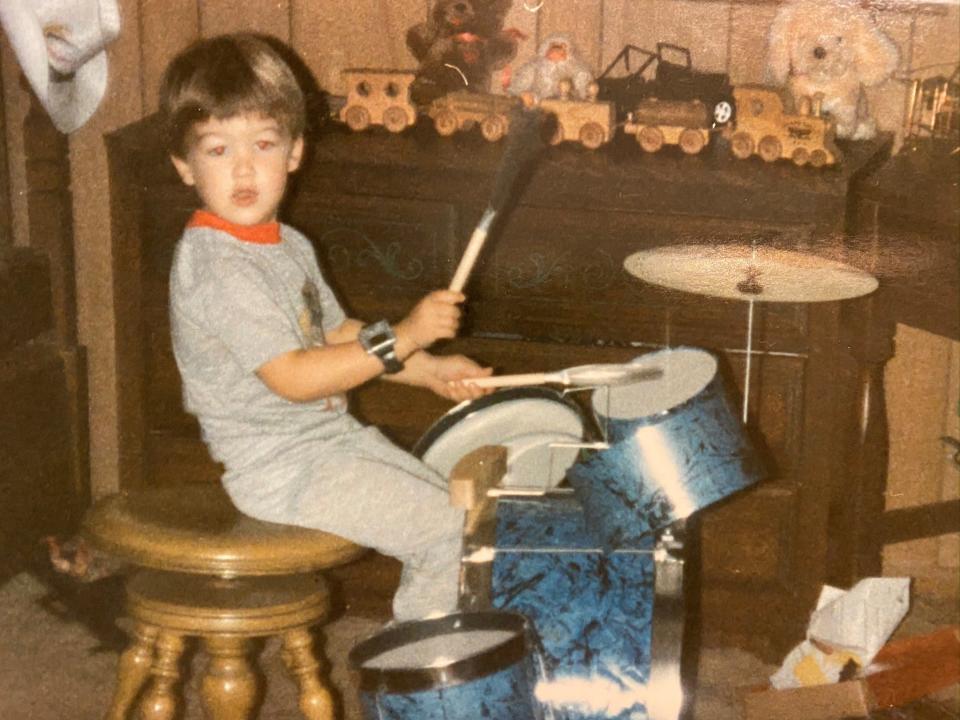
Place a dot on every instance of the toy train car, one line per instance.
(765, 128)
(461, 110)
(378, 97)
(672, 79)
(591, 122)
(669, 122)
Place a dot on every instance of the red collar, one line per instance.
(263, 234)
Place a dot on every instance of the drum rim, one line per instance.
(405, 680)
(661, 415)
(468, 408)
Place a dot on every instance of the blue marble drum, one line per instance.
(675, 446)
(610, 624)
(461, 666)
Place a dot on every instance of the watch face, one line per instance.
(380, 338)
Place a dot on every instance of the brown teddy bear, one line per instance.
(459, 47)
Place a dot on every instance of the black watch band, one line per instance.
(378, 339)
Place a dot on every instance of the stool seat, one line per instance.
(196, 529)
(202, 605)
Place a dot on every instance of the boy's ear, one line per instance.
(183, 169)
(296, 155)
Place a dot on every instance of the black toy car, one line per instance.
(672, 80)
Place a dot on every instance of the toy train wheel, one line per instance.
(493, 127)
(395, 118)
(650, 138)
(357, 118)
(741, 145)
(769, 148)
(818, 158)
(592, 135)
(691, 141)
(445, 123)
(800, 157)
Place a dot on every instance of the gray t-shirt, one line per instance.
(234, 305)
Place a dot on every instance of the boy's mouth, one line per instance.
(244, 198)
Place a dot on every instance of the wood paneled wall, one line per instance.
(6, 221)
(922, 466)
(332, 34)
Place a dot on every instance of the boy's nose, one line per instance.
(243, 165)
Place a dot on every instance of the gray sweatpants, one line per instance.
(362, 487)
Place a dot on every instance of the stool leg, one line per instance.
(230, 688)
(160, 701)
(316, 702)
(132, 670)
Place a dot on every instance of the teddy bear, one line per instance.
(555, 70)
(459, 47)
(831, 49)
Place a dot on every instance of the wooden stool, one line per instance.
(206, 570)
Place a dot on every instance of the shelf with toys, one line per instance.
(759, 120)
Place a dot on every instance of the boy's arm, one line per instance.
(343, 364)
(321, 371)
(312, 373)
(442, 374)
(338, 366)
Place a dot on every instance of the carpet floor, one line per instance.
(59, 644)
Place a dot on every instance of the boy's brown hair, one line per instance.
(225, 76)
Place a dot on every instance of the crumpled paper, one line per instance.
(847, 625)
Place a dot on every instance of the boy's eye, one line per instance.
(217, 150)
(265, 144)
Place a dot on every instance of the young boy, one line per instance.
(264, 349)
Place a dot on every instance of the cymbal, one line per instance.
(741, 272)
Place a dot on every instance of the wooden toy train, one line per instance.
(678, 106)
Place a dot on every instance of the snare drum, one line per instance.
(676, 446)
(538, 426)
(461, 666)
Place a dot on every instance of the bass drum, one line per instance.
(539, 426)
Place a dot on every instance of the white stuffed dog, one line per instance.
(831, 47)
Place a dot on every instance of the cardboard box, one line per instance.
(820, 702)
(912, 668)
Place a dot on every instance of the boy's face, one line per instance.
(239, 166)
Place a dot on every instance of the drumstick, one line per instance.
(523, 142)
(601, 374)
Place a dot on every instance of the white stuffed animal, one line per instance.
(831, 47)
(556, 61)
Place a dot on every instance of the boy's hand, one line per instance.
(433, 318)
(450, 370)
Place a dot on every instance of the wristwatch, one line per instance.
(378, 339)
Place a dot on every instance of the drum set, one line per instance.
(572, 584)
